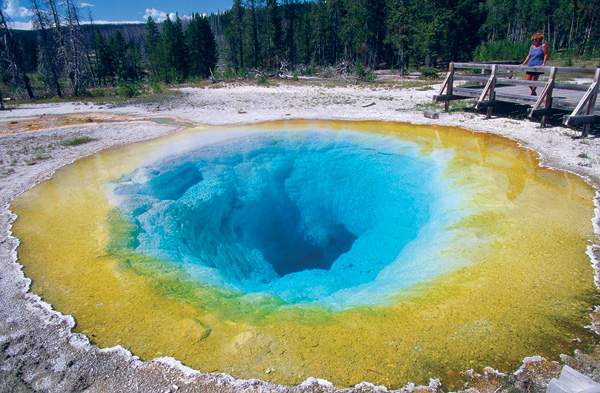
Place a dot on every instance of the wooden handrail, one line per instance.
(545, 97)
(588, 98)
(448, 85)
(543, 103)
(488, 91)
(506, 67)
(505, 81)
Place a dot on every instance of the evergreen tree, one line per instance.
(234, 35)
(402, 22)
(179, 50)
(117, 61)
(320, 33)
(251, 41)
(355, 30)
(103, 59)
(433, 38)
(335, 13)
(290, 30)
(464, 26)
(306, 39)
(377, 24)
(29, 50)
(273, 32)
(261, 33)
(569, 24)
(151, 34)
(117, 48)
(201, 46)
(132, 70)
(325, 39)
(152, 37)
(172, 59)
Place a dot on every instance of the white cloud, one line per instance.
(14, 9)
(20, 25)
(83, 4)
(157, 15)
(160, 16)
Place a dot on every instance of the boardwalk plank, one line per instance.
(565, 95)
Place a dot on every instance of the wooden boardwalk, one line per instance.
(499, 82)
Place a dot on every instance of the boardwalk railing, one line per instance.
(497, 83)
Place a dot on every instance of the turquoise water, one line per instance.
(151, 247)
(295, 215)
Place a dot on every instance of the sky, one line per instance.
(134, 11)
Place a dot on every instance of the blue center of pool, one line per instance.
(339, 218)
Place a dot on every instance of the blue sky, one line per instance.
(120, 10)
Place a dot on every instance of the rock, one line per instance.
(431, 114)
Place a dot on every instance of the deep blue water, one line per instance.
(336, 217)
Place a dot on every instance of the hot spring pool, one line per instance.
(379, 252)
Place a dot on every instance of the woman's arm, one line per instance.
(545, 49)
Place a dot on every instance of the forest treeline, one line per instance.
(67, 53)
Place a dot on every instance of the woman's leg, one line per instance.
(533, 77)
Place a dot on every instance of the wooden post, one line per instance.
(489, 91)
(548, 89)
(492, 93)
(589, 98)
(448, 85)
(591, 104)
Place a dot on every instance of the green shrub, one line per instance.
(262, 80)
(98, 92)
(128, 89)
(243, 73)
(157, 88)
(504, 50)
(568, 56)
(78, 141)
(363, 73)
(217, 75)
(429, 73)
(229, 73)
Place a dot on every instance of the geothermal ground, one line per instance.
(38, 352)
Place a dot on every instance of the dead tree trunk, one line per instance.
(14, 58)
(61, 40)
(48, 65)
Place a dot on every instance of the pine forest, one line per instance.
(68, 54)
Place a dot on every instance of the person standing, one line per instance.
(537, 56)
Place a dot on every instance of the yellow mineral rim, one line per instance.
(527, 289)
